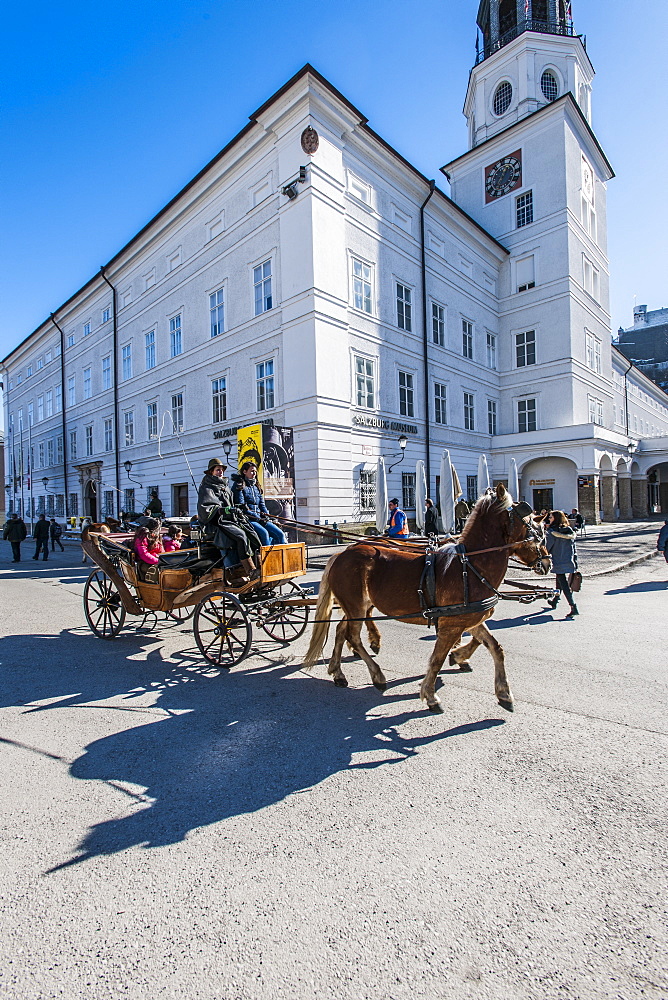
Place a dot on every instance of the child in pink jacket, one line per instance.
(147, 545)
(172, 540)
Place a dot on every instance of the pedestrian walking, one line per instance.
(662, 540)
(41, 535)
(55, 531)
(462, 511)
(560, 543)
(430, 518)
(15, 532)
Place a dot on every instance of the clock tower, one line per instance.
(535, 177)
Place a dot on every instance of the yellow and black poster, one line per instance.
(272, 450)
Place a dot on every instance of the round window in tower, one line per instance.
(549, 85)
(503, 95)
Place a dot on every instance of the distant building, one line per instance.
(310, 276)
(646, 343)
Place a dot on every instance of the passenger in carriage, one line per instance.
(171, 542)
(248, 494)
(225, 526)
(147, 547)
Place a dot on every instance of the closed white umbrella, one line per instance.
(420, 493)
(513, 480)
(447, 494)
(483, 475)
(381, 496)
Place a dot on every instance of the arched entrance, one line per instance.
(90, 499)
(550, 483)
(657, 488)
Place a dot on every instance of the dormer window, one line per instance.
(549, 85)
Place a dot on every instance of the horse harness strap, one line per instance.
(427, 590)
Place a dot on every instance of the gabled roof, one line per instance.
(306, 69)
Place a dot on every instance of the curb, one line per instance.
(620, 566)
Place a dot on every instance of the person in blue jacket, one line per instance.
(397, 521)
(560, 543)
(662, 540)
(247, 494)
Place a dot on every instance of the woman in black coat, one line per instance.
(225, 526)
(430, 518)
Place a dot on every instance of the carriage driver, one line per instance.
(225, 526)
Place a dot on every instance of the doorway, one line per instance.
(543, 499)
(180, 500)
(90, 501)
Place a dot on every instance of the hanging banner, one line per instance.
(272, 450)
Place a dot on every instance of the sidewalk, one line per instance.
(605, 549)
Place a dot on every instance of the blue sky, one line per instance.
(110, 108)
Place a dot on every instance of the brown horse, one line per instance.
(368, 574)
(101, 527)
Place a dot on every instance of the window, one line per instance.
(71, 391)
(471, 488)
(591, 279)
(106, 314)
(50, 451)
(28, 371)
(40, 452)
(126, 361)
(438, 324)
(86, 329)
(526, 415)
(596, 412)
(60, 504)
(217, 312)
(108, 435)
(503, 95)
(406, 407)
(40, 365)
(70, 340)
(440, 400)
(73, 446)
(152, 419)
(588, 217)
(365, 388)
(106, 373)
(524, 209)
(359, 189)
(74, 503)
(467, 338)
(30, 415)
(525, 348)
(177, 412)
(491, 350)
(129, 427)
(361, 286)
(49, 402)
(129, 499)
(89, 440)
(219, 399)
(40, 408)
(404, 308)
(262, 287)
(469, 412)
(525, 276)
(367, 490)
(593, 345)
(108, 503)
(175, 342)
(59, 398)
(264, 381)
(87, 389)
(408, 490)
(149, 347)
(491, 416)
(549, 85)
(126, 297)
(59, 449)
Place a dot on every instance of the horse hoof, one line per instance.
(375, 647)
(466, 667)
(436, 709)
(508, 705)
(341, 682)
(380, 685)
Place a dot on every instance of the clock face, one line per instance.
(503, 176)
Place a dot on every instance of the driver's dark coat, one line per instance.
(215, 510)
(212, 496)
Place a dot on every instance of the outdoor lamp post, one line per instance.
(403, 441)
(127, 465)
(227, 448)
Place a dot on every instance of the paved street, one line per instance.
(168, 832)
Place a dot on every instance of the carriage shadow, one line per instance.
(227, 744)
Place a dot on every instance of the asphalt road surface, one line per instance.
(169, 832)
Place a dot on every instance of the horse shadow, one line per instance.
(226, 743)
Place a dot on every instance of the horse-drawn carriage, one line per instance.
(193, 583)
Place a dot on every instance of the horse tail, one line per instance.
(323, 615)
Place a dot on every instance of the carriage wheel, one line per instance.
(222, 629)
(103, 607)
(285, 624)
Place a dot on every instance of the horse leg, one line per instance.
(372, 632)
(355, 640)
(334, 668)
(445, 640)
(501, 687)
(461, 654)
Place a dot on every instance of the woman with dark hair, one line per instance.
(247, 494)
(147, 547)
(560, 543)
(430, 518)
(172, 540)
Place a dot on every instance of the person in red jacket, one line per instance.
(171, 542)
(147, 547)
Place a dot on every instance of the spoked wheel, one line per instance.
(283, 622)
(103, 607)
(222, 629)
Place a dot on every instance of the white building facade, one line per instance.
(310, 276)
